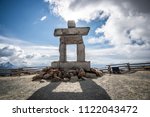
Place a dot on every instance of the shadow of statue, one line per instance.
(90, 91)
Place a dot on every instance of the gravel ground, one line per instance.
(134, 86)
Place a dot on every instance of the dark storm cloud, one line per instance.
(138, 42)
(30, 56)
(9, 51)
(138, 5)
(141, 5)
(6, 52)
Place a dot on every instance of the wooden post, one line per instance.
(128, 65)
(109, 69)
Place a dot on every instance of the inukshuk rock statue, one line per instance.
(71, 35)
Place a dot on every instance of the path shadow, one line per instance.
(90, 91)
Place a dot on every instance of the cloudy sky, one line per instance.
(120, 30)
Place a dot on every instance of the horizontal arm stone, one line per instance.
(71, 31)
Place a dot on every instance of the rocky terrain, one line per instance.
(130, 86)
(55, 74)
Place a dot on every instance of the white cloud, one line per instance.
(127, 28)
(43, 18)
(10, 51)
(34, 55)
(23, 53)
(97, 40)
(63, 9)
(125, 54)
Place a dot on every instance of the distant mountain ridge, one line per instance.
(7, 65)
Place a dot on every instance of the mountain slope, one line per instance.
(7, 65)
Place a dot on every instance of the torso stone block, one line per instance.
(71, 39)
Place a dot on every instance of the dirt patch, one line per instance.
(18, 87)
(127, 86)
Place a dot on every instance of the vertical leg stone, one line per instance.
(62, 51)
(80, 52)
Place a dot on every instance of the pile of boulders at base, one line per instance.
(55, 74)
